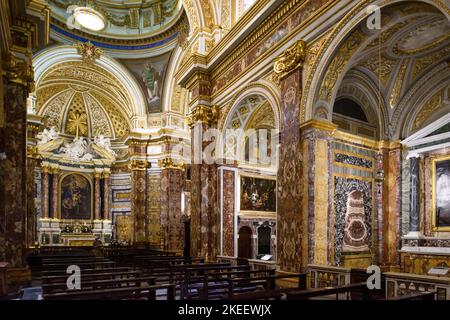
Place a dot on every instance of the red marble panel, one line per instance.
(228, 212)
(289, 177)
(13, 176)
(171, 215)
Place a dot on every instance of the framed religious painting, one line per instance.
(441, 194)
(257, 194)
(76, 201)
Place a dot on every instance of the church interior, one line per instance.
(225, 149)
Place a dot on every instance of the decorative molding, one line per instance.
(291, 59)
(139, 165)
(89, 52)
(19, 72)
(169, 163)
(203, 114)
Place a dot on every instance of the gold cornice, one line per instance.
(385, 144)
(195, 64)
(290, 60)
(19, 72)
(319, 124)
(41, 9)
(136, 41)
(251, 40)
(203, 114)
(265, 26)
(139, 165)
(367, 142)
(352, 138)
(169, 163)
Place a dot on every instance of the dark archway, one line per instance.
(264, 235)
(245, 243)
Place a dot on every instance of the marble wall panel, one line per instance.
(13, 176)
(343, 186)
(290, 233)
(171, 215)
(154, 200)
(228, 203)
(138, 204)
(204, 201)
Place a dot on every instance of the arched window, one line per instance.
(349, 108)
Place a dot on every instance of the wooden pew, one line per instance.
(321, 292)
(268, 282)
(128, 293)
(194, 274)
(428, 295)
(93, 276)
(215, 284)
(82, 264)
(99, 284)
(227, 284)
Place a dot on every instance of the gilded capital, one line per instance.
(169, 163)
(18, 71)
(291, 59)
(32, 152)
(138, 165)
(203, 114)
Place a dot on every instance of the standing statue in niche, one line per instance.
(355, 231)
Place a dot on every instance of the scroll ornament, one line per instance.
(291, 59)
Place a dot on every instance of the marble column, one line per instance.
(205, 210)
(45, 193)
(138, 200)
(290, 232)
(172, 180)
(316, 153)
(204, 206)
(97, 197)
(390, 222)
(414, 218)
(106, 181)
(13, 175)
(55, 194)
(228, 194)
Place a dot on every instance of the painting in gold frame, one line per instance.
(441, 194)
(257, 194)
(76, 197)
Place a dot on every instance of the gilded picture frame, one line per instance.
(243, 209)
(440, 171)
(91, 191)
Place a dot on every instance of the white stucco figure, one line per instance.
(78, 150)
(104, 143)
(47, 135)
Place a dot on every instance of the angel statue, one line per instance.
(104, 143)
(47, 135)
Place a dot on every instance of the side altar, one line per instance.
(75, 189)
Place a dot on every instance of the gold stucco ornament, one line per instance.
(291, 59)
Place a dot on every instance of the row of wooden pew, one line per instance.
(154, 274)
